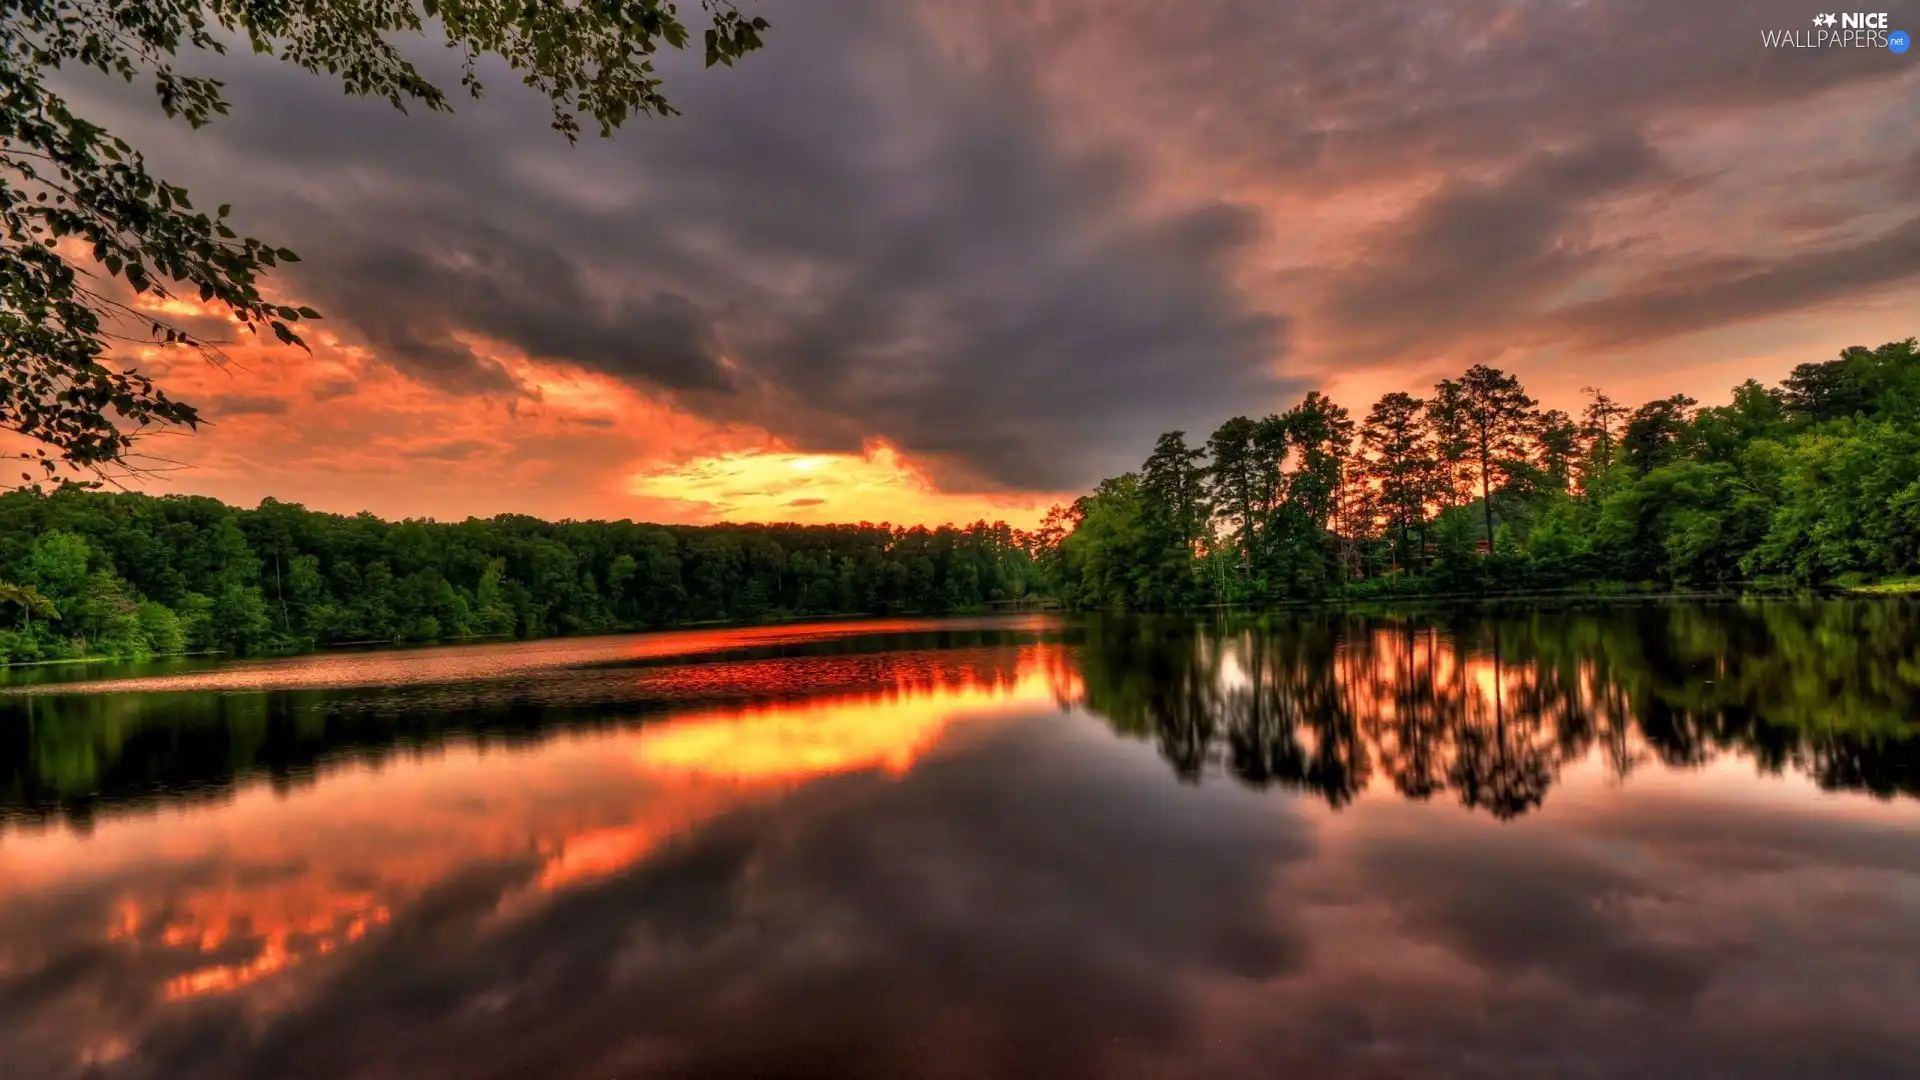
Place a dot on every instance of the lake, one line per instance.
(1625, 840)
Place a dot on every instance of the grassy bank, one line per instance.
(1894, 587)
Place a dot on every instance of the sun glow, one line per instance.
(879, 484)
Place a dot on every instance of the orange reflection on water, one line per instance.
(1401, 707)
(216, 898)
(281, 926)
(888, 730)
(446, 664)
(723, 758)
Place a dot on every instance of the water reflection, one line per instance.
(887, 851)
(1481, 707)
(102, 929)
(70, 748)
(1490, 708)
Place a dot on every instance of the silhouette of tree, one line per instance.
(1397, 442)
(1496, 412)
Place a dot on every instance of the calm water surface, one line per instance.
(1630, 841)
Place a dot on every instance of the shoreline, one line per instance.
(1897, 588)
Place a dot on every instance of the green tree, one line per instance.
(239, 618)
(1558, 439)
(1447, 430)
(1656, 432)
(161, 628)
(1099, 554)
(1321, 434)
(57, 565)
(1496, 409)
(1398, 446)
(1825, 391)
(1173, 514)
(1600, 422)
(29, 601)
(1235, 478)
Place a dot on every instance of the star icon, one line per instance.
(1830, 19)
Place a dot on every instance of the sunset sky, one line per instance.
(924, 261)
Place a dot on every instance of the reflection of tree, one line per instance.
(1285, 720)
(1489, 707)
(1505, 767)
(1157, 680)
(72, 755)
(1408, 737)
(1291, 725)
(1494, 707)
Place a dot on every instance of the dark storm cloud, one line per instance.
(1326, 96)
(243, 405)
(452, 450)
(1696, 295)
(947, 227)
(1481, 254)
(1907, 179)
(880, 237)
(1332, 91)
(412, 298)
(328, 389)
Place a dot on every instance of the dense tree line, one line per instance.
(1474, 488)
(88, 573)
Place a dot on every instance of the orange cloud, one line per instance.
(337, 429)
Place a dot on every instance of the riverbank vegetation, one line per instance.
(95, 574)
(1473, 489)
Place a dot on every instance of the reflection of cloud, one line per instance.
(277, 925)
(1517, 910)
(1003, 920)
(774, 746)
(886, 730)
(271, 893)
(865, 885)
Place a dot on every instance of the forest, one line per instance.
(1474, 489)
(107, 574)
(1470, 490)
